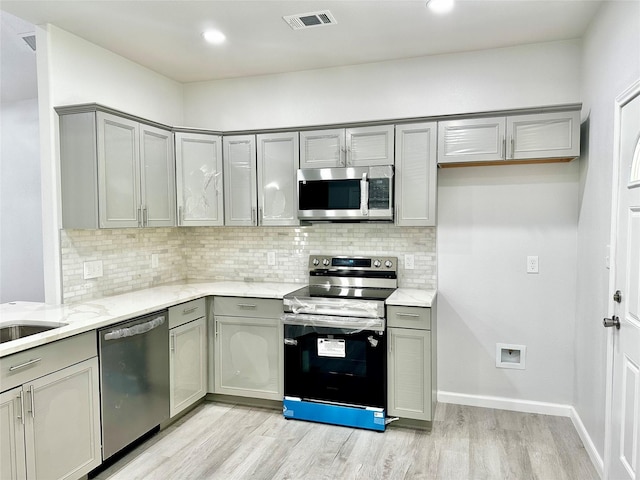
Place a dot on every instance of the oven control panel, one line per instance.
(352, 263)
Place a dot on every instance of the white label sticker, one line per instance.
(331, 347)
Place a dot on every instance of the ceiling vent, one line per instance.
(30, 39)
(309, 20)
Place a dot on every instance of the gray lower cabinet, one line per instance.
(248, 347)
(50, 424)
(411, 375)
(187, 355)
(115, 172)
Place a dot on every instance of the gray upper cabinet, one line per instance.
(347, 147)
(115, 172)
(471, 140)
(415, 174)
(199, 183)
(278, 161)
(544, 135)
(536, 136)
(240, 177)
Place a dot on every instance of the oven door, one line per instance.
(338, 365)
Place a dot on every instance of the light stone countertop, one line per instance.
(412, 297)
(101, 312)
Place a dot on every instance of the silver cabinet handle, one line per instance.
(172, 342)
(145, 217)
(512, 149)
(253, 216)
(246, 305)
(348, 159)
(25, 364)
(21, 416)
(260, 217)
(180, 215)
(215, 330)
(187, 311)
(413, 315)
(504, 148)
(138, 216)
(33, 406)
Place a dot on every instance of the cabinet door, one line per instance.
(62, 428)
(472, 140)
(248, 355)
(12, 455)
(199, 179)
(368, 146)
(409, 374)
(118, 172)
(240, 194)
(158, 177)
(278, 160)
(545, 135)
(415, 175)
(187, 364)
(322, 148)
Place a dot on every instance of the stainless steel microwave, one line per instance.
(346, 194)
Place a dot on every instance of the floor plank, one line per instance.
(222, 441)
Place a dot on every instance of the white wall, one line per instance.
(611, 59)
(21, 272)
(489, 220)
(74, 71)
(531, 75)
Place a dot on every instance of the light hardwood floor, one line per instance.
(220, 441)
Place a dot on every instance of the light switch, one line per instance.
(92, 269)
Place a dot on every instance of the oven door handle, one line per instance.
(348, 323)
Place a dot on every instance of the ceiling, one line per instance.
(165, 36)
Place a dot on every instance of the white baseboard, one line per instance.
(503, 403)
(530, 406)
(596, 459)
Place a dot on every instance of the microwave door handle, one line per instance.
(364, 195)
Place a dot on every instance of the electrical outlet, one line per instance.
(271, 258)
(92, 269)
(155, 260)
(408, 261)
(532, 264)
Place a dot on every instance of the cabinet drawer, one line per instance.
(36, 362)
(409, 317)
(247, 307)
(186, 312)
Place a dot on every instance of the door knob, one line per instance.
(612, 322)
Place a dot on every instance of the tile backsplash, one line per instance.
(232, 253)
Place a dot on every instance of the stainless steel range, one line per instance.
(335, 341)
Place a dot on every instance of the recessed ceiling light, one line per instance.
(440, 6)
(214, 36)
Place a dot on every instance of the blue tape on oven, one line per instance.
(368, 418)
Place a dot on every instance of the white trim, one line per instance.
(620, 102)
(504, 403)
(530, 406)
(592, 451)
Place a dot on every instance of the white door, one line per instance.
(624, 428)
(188, 364)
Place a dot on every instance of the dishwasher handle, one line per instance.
(135, 330)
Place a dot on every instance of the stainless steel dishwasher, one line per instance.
(134, 379)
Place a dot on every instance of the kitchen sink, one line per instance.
(16, 330)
